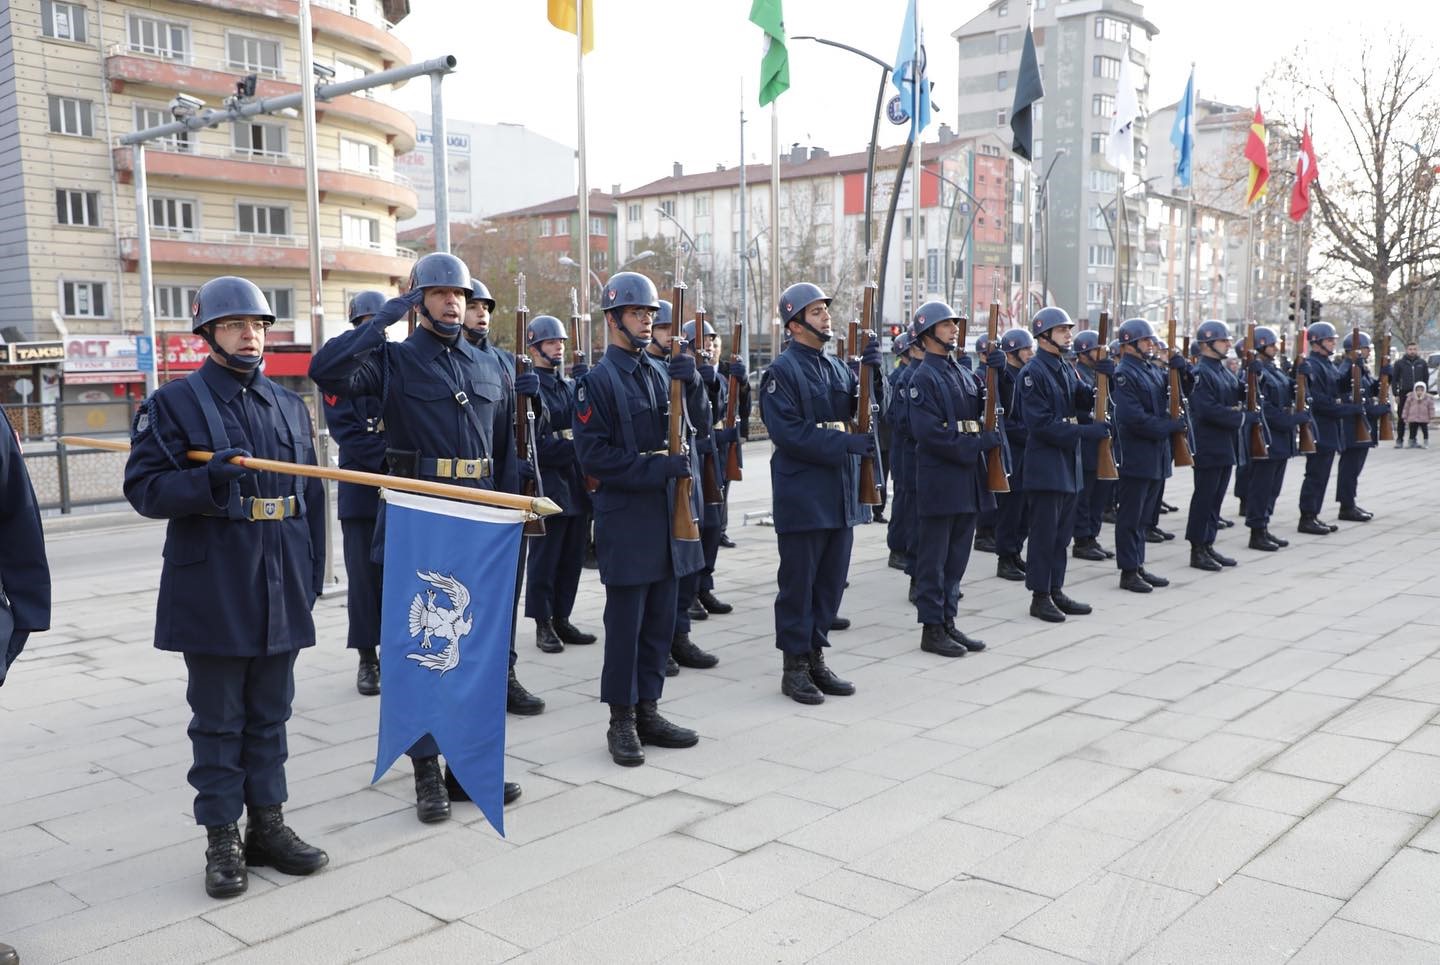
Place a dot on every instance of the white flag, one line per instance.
(1120, 148)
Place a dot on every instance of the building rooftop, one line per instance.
(600, 203)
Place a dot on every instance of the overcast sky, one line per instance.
(663, 83)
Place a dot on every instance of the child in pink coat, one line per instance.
(1419, 410)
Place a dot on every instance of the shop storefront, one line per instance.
(30, 384)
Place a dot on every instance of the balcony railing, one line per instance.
(192, 148)
(366, 10)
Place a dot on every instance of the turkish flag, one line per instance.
(1306, 170)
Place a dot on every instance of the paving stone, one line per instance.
(1120, 707)
(1426, 740)
(1341, 683)
(1013, 757)
(1245, 921)
(1131, 749)
(1279, 792)
(650, 930)
(1401, 897)
(1007, 951)
(793, 929)
(1282, 670)
(1329, 757)
(191, 940)
(746, 781)
(1335, 850)
(932, 855)
(1400, 781)
(346, 937)
(757, 821)
(1175, 681)
(1342, 942)
(752, 881)
(1289, 716)
(455, 942)
(1225, 757)
(1181, 727)
(1382, 718)
(1144, 804)
(839, 788)
(1053, 860)
(1204, 847)
(1001, 718)
(877, 821)
(1043, 796)
(1105, 919)
(871, 896)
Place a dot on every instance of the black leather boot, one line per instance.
(651, 728)
(8, 955)
(1311, 526)
(1152, 579)
(1282, 543)
(1217, 557)
(1258, 541)
(825, 678)
(684, 652)
(225, 874)
(512, 792)
(1044, 608)
(969, 643)
(1069, 607)
(1087, 549)
(697, 612)
(985, 540)
(711, 604)
(520, 701)
(1201, 560)
(840, 623)
(1010, 568)
(269, 842)
(672, 669)
(432, 801)
(896, 561)
(624, 743)
(571, 634)
(796, 682)
(1153, 534)
(1354, 514)
(367, 675)
(1132, 580)
(934, 639)
(458, 793)
(546, 638)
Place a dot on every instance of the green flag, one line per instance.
(775, 65)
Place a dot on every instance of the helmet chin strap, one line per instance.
(480, 339)
(637, 343)
(446, 330)
(930, 334)
(241, 363)
(822, 336)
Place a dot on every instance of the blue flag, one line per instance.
(1029, 88)
(445, 638)
(1182, 135)
(910, 64)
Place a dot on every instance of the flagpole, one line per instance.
(916, 79)
(744, 239)
(1119, 214)
(774, 233)
(583, 189)
(1027, 239)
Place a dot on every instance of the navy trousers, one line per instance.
(942, 552)
(1090, 508)
(811, 580)
(1260, 494)
(1347, 478)
(1052, 520)
(362, 599)
(1154, 520)
(1013, 515)
(1276, 486)
(552, 572)
(1205, 503)
(1317, 478)
(710, 544)
(1139, 501)
(237, 732)
(639, 624)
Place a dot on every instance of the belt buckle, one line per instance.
(462, 398)
(469, 468)
(443, 467)
(264, 508)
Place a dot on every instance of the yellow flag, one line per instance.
(562, 14)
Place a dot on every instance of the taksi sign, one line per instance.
(31, 353)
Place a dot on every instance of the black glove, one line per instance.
(995, 359)
(527, 470)
(965, 362)
(579, 368)
(727, 437)
(527, 384)
(1095, 430)
(871, 355)
(1256, 367)
(1176, 425)
(735, 370)
(1251, 418)
(1177, 361)
(1304, 367)
(708, 375)
(676, 467)
(989, 440)
(397, 308)
(1387, 371)
(682, 368)
(1105, 367)
(860, 444)
(222, 472)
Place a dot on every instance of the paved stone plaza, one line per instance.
(1242, 767)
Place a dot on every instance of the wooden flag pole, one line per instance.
(536, 506)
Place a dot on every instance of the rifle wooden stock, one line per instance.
(1258, 447)
(1180, 439)
(683, 525)
(538, 506)
(1387, 419)
(1306, 443)
(1357, 387)
(524, 406)
(863, 425)
(995, 479)
(733, 471)
(1105, 467)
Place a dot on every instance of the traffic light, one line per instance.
(894, 331)
(1314, 310)
(1292, 306)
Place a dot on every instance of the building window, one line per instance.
(63, 21)
(159, 38)
(1093, 292)
(1102, 256)
(254, 54)
(1108, 28)
(600, 259)
(1107, 67)
(258, 139)
(345, 70)
(174, 301)
(77, 207)
(908, 225)
(173, 217)
(262, 219)
(1000, 118)
(668, 207)
(1097, 143)
(282, 302)
(146, 117)
(1102, 105)
(597, 226)
(702, 205)
(83, 299)
(562, 225)
(357, 231)
(1103, 180)
(702, 243)
(932, 270)
(1098, 220)
(822, 274)
(546, 230)
(1002, 80)
(1002, 44)
(359, 156)
(1003, 10)
(71, 115)
(632, 212)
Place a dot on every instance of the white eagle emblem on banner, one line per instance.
(430, 622)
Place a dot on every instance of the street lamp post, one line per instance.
(1045, 227)
(949, 221)
(569, 262)
(1115, 240)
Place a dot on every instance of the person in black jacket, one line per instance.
(1409, 369)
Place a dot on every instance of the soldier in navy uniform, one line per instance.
(1329, 406)
(1143, 428)
(244, 563)
(621, 427)
(904, 519)
(448, 418)
(807, 399)
(1219, 422)
(1277, 394)
(357, 429)
(1166, 358)
(945, 404)
(552, 572)
(1352, 459)
(985, 522)
(1012, 509)
(1096, 493)
(1050, 395)
(715, 446)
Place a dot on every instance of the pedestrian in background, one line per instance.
(1418, 410)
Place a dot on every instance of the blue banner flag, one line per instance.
(1182, 135)
(445, 638)
(910, 64)
(1029, 88)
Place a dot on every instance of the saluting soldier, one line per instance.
(1143, 428)
(449, 417)
(1095, 494)
(807, 399)
(552, 569)
(357, 428)
(1277, 394)
(945, 408)
(244, 563)
(1329, 406)
(621, 424)
(1220, 419)
(1352, 459)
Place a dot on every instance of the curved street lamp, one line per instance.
(569, 262)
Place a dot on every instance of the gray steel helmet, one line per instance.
(364, 304)
(1015, 340)
(1265, 336)
(1212, 330)
(666, 314)
(479, 293)
(687, 331)
(1086, 341)
(930, 314)
(627, 288)
(542, 328)
(225, 296)
(794, 300)
(1133, 330)
(440, 270)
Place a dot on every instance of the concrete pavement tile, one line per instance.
(1007, 683)
(1174, 682)
(1041, 797)
(1105, 919)
(1342, 942)
(1053, 860)
(27, 841)
(1001, 718)
(1289, 716)
(1130, 749)
(1279, 792)
(1223, 700)
(1007, 951)
(839, 788)
(793, 929)
(1225, 757)
(1419, 682)
(947, 925)
(531, 821)
(1329, 757)
(757, 821)
(1120, 707)
(745, 781)
(1390, 661)
(753, 880)
(37, 810)
(1181, 727)
(1400, 781)
(929, 712)
(1382, 719)
(345, 937)
(1336, 849)
(860, 739)
(930, 856)
(1282, 670)
(1238, 652)
(1088, 684)
(1011, 758)
(36, 904)
(909, 758)
(191, 940)
(1426, 740)
(1204, 847)
(594, 764)
(455, 942)
(1341, 683)
(862, 893)
(1245, 921)
(1144, 804)
(877, 821)
(653, 929)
